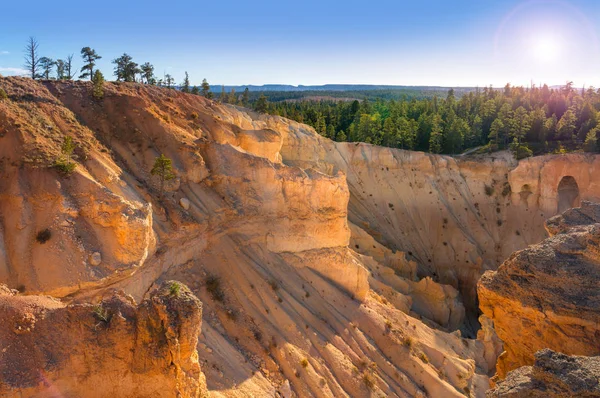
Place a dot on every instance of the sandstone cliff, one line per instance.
(547, 296)
(113, 349)
(326, 269)
(553, 375)
(454, 217)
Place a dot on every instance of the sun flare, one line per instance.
(546, 48)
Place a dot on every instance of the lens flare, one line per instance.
(546, 48)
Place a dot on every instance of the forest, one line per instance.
(528, 121)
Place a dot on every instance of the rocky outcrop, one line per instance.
(547, 296)
(113, 349)
(554, 375)
(51, 223)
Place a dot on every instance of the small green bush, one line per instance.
(175, 289)
(304, 363)
(3, 94)
(101, 313)
(65, 167)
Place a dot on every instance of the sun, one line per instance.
(546, 48)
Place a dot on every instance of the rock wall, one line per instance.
(553, 375)
(547, 296)
(113, 349)
(454, 217)
(53, 225)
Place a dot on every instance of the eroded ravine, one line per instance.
(326, 269)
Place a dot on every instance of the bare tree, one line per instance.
(69, 71)
(32, 58)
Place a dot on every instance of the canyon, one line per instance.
(323, 268)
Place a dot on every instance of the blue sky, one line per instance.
(426, 42)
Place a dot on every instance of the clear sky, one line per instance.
(425, 42)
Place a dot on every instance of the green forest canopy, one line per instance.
(523, 119)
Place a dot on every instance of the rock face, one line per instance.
(547, 295)
(326, 269)
(553, 375)
(50, 222)
(113, 349)
(454, 217)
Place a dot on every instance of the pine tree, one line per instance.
(436, 138)
(262, 104)
(169, 81)
(89, 59)
(148, 73)
(185, 86)
(222, 96)
(64, 164)
(163, 168)
(205, 88)
(125, 69)
(195, 90)
(60, 69)
(591, 140)
(566, 125)
(520, 125)
(246, 97)
(98, 80)
(46, 65)
(495, 133)
(232, 98)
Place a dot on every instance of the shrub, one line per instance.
(194, 115)
(368, 380)
(407, 341)
(101, 313)
(64, 166)
(522, 152)
(175, 289)
(213, 286)
(304, 363)
(98, 81)
(43, 236)
(506, 190)
(423, 357)
(489, 190)
(274, 285)
(3, 94)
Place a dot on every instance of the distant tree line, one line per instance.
(517, 118)
(125, 70)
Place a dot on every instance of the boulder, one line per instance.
(547, 296)
(554, 375)
(115, 348)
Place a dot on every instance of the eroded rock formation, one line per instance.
(553, 375)
(113, 349)
(547, 296)
(326, 269)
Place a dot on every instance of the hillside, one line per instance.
(324, 268)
